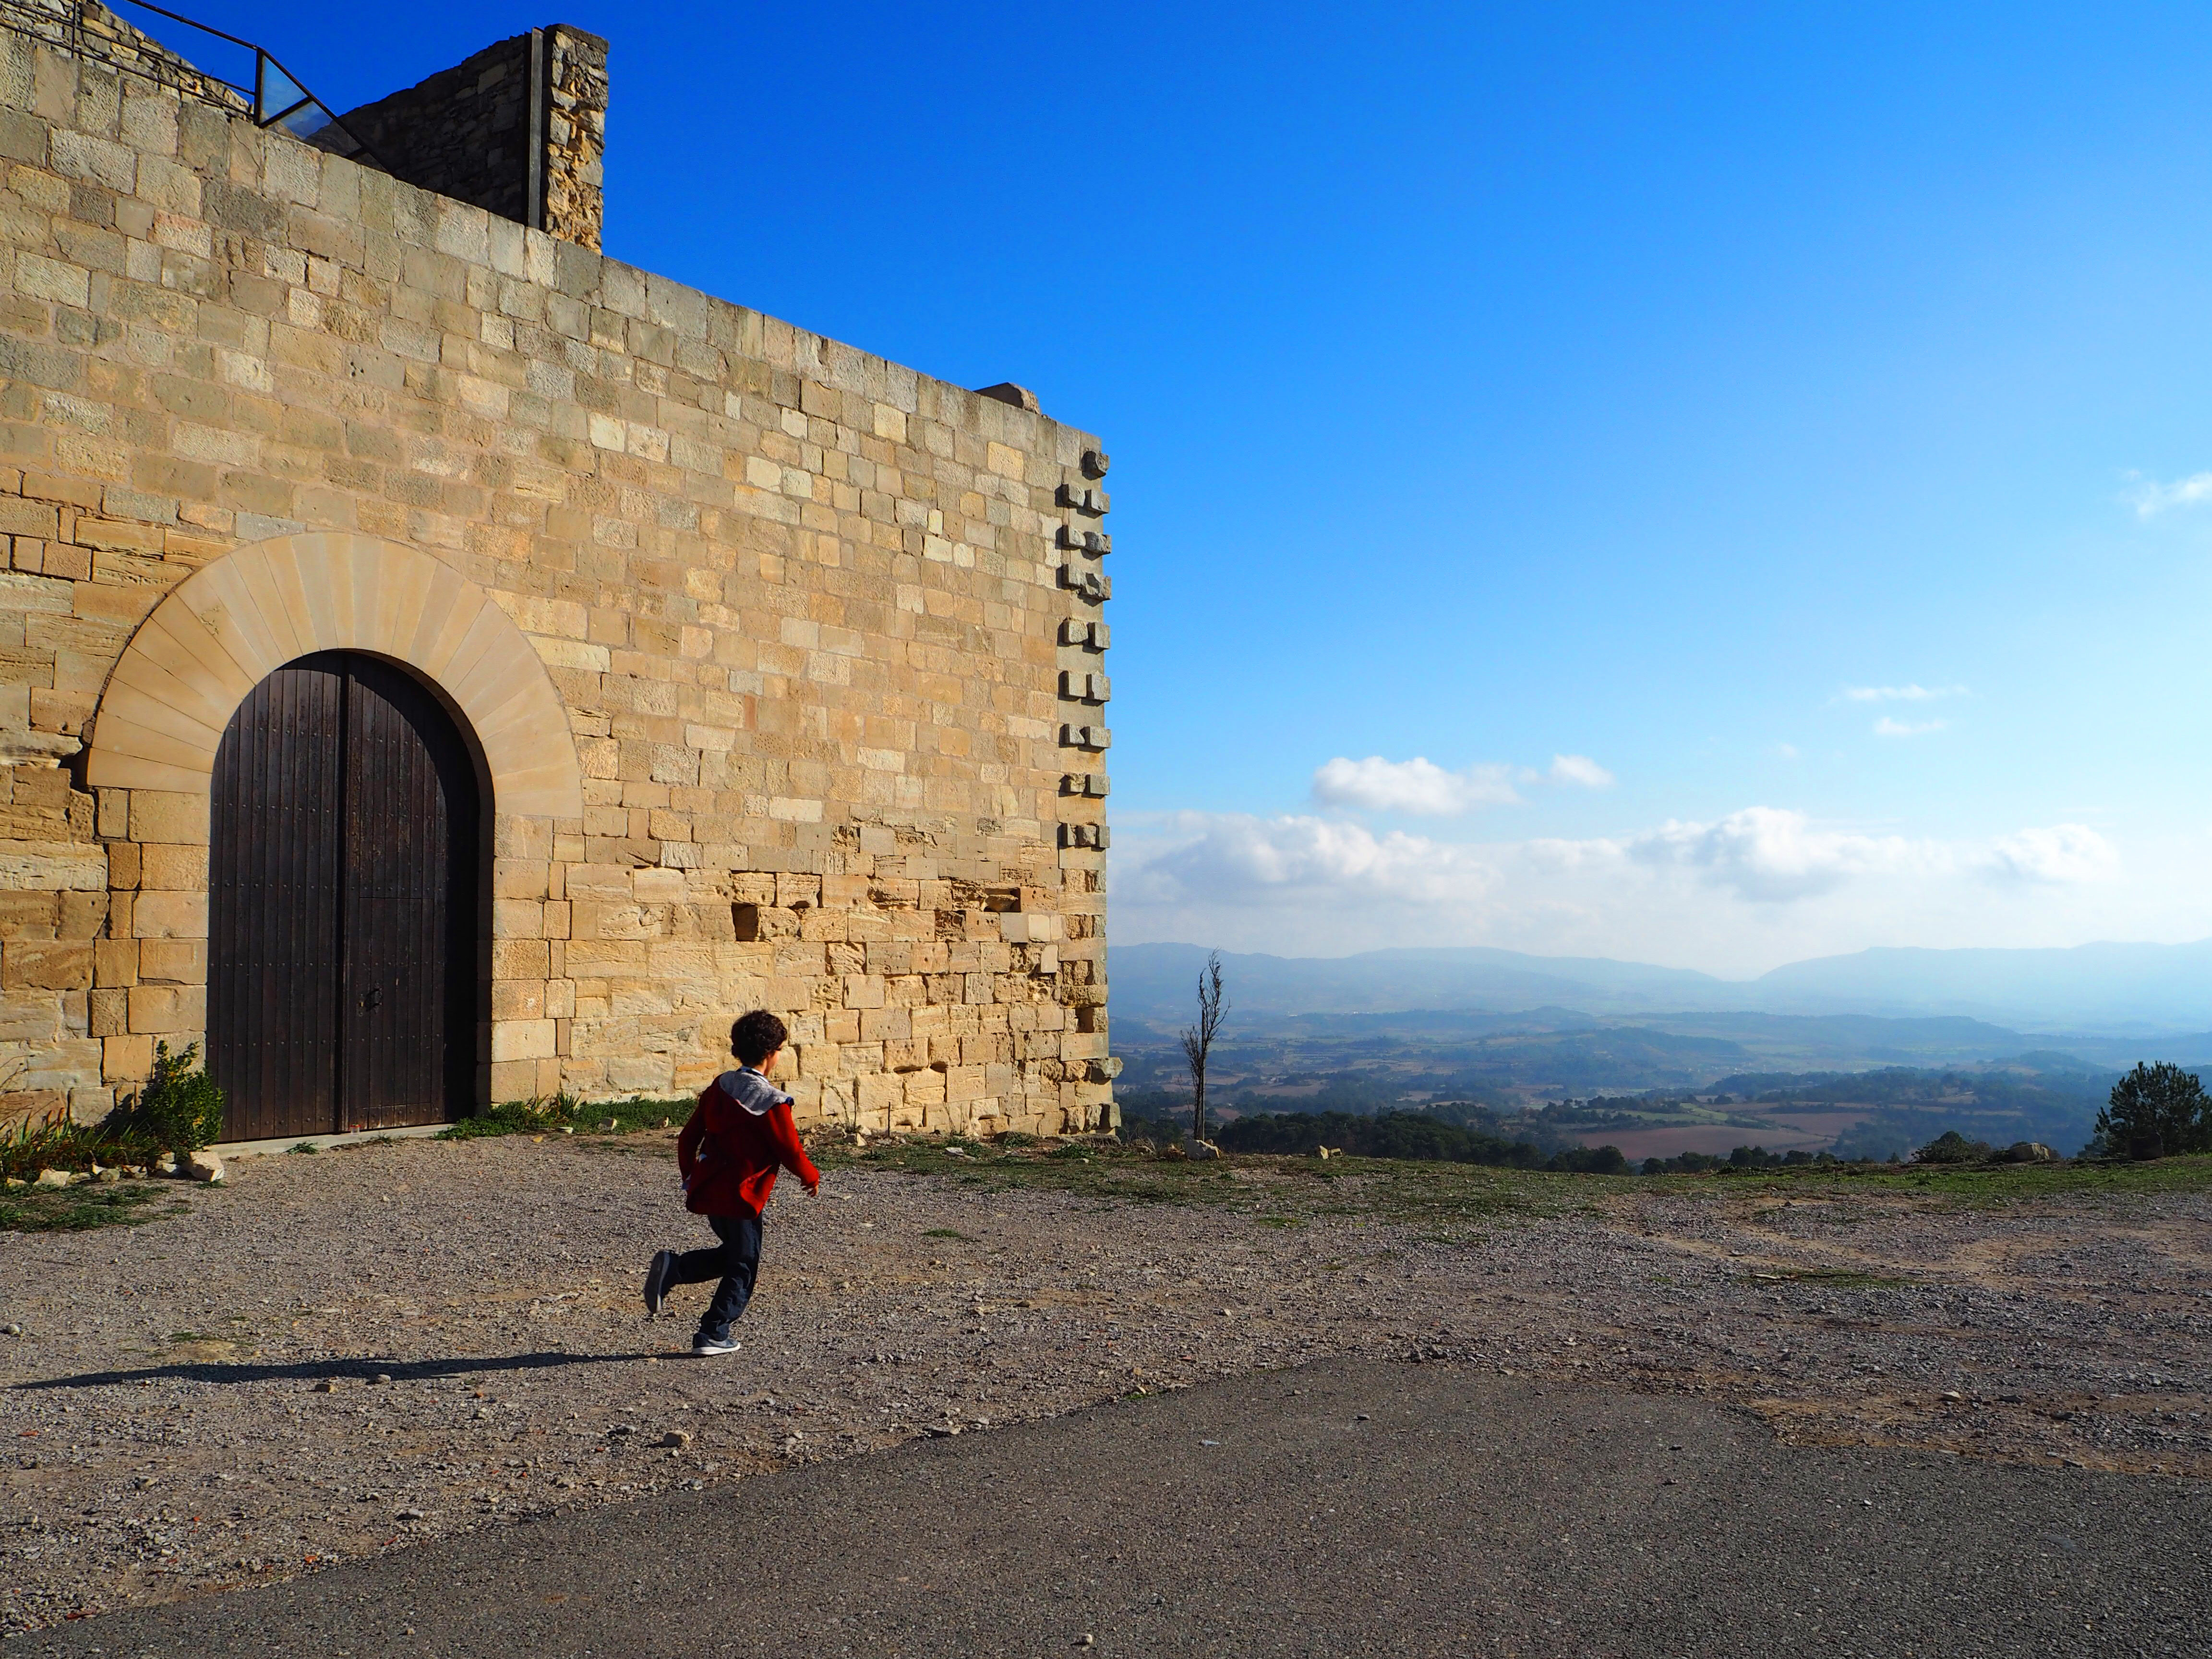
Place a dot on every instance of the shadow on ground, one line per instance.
(314, 1370)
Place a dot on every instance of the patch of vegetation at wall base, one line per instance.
(567, 1114)
(178, 1111)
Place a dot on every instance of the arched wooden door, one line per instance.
(342, 904)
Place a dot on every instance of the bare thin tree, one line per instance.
(1198, 1040)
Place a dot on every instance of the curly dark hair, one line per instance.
(755, 1037)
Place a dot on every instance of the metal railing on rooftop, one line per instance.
(272, 97)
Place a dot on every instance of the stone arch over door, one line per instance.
(232, 623)
(152, 752)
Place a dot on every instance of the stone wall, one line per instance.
(87, 28)
(475, 131)
(827, 634)
(575, 134)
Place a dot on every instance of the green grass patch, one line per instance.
(948, 1232)
(79, 1209)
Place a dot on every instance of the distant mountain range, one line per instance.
(2116, 992)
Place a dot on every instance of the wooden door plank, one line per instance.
(273, 873)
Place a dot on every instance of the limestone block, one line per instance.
(110, 1013)
(28, 915)
(521, 878)
(174, 868)
(50, 965)
(169, 915)
(173, 960)
(514, 1079)
(52, 867)
(518, 1000)
(115, 962)
(522, 1039)
(521, 958)
(605, 883)
(30, 1016)
(518, 919)
(1031, 927)
(164, 1010)
(161, 815)
(81, 914)
(645, 1074)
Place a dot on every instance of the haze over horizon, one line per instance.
(1703, 487)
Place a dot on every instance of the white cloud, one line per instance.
(1270, 859)
(1737, 894)
(1900, 692)
(1772, 855)
(1887, 728)
(2149, 497)
(1418, 785)
(1786, 750)
(1580, 769)
(2058, 855)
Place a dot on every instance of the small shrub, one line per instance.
(179, 1109)
(1951, 1147)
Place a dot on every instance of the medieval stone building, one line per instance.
(440, 663)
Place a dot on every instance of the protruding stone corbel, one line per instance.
(1095, 588)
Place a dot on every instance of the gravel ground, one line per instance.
(189, 1404)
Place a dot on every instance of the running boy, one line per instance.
(738, 1136)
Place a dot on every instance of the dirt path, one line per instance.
(167, 1433)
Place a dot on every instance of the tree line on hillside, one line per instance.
(2156, 1111)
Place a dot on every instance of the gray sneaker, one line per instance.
(656, 1281)
(703, 1345)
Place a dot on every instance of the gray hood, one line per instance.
(751, 1090)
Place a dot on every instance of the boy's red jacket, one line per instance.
(737, 1136)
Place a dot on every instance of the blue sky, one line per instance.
(1491, 385)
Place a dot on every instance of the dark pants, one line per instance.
(735, 1262)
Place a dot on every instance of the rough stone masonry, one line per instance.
(784, 664)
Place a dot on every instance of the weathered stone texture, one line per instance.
(475, 131)
(575, 134)
(816, 623)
